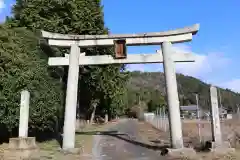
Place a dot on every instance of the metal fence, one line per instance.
(159, 121)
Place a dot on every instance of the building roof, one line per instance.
(189, 108)
(194, 108)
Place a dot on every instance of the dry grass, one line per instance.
(230, 132)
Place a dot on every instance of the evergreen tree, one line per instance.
(23, 65)
(104, 83)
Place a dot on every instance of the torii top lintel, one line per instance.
(154, 38)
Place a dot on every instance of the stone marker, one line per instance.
(218, 145)
(24, 114)
(22, 146)
(215, 120)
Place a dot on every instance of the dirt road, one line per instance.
(122, 142)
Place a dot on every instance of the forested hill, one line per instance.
(142, 85)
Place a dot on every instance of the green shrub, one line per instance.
(23, 65)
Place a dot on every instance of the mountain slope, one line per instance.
(141, 84)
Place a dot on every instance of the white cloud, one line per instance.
(2, 5)
(205, 64)
(232, 84)
(136, 67)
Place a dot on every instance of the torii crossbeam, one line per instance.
(131, 59)
(156, 38)
(166, 56)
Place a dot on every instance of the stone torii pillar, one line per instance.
(71, 99)
(157, 38)
(172, 96)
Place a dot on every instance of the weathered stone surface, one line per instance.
(131, 59)
(224, 149)
(225, 144)
(21, 148)
(71, 99)
(22, 143)
(24, 114)
(191, 29)
(215, 120)
(175, 124)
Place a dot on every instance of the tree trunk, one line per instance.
(106, 118)
(93, 113)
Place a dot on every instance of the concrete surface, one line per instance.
(122, 142)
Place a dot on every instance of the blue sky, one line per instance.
(216, 45)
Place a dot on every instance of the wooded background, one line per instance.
(108, 89)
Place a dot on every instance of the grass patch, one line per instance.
(50, 149)
(81, 140)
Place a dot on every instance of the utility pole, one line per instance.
(238, 111)
(139, 99)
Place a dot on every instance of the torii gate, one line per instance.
(167, 57)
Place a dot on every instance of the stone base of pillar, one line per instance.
(225, 148)
(177, 153)
(21, 148)
(222, 151)
(225, 144)
(22, 143)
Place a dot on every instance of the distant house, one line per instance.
(191, 112)
(222, 112)
(191, 108)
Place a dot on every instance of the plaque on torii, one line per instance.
(120, 41)
(120, 48)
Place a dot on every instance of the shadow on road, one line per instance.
(126, 138)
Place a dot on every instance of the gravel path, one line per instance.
(121, 142)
